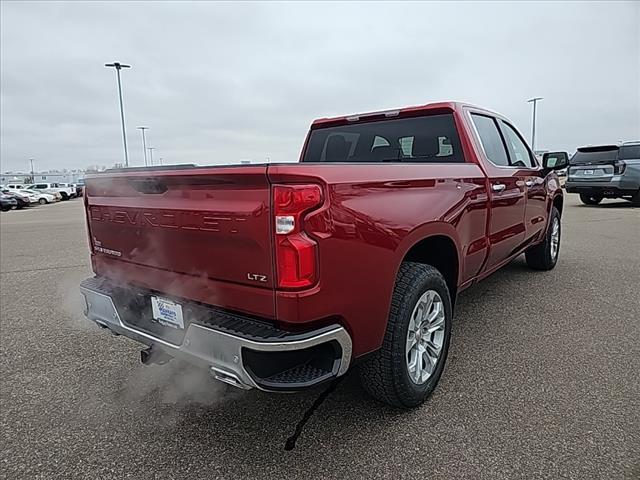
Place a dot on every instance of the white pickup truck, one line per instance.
(64, 191)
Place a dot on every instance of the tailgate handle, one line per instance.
(149, 185)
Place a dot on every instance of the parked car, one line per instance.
(39, 197)
(605, 171)
(14, 186)
(56, 195)
(65, 192)
(7, 202)
(22, 200)
(283, 276)
(71, 188)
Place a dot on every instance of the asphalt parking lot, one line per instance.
(542, 381)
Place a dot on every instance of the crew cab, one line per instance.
(284, 276)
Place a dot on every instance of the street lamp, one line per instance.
(33, 178)
(151, 149)
(534, 100)
(144, 144)
(118, 67)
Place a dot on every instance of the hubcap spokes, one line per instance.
(425, 336)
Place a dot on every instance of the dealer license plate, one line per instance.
(167, 313)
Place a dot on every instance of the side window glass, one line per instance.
(520, 156)
(406, 145)
(491, 140)
(379, 142)
(444, 147)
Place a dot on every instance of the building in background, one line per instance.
(42, 177)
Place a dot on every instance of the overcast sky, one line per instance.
(220, 82)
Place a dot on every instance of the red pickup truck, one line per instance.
(283, 276)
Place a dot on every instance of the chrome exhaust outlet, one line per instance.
(228, 378)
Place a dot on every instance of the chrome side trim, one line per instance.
(220, 351)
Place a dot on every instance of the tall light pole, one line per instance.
(151, 149)
(118, 67)
(144, 144)
(534, 100)
(33, 178)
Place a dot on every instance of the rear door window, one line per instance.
(519, 153)
(426, 139)
(491, 139)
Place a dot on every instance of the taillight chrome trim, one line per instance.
(296, 262)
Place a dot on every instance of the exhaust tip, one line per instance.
(150, 356)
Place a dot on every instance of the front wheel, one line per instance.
(406, 369)
(545, 255)
(42, 201)
(589, 199)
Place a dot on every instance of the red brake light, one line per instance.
(295, 251)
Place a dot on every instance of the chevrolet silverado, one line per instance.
(284, 276)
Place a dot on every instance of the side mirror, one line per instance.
(555, 160)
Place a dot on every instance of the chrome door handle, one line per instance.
(529, 183)
(498, 187)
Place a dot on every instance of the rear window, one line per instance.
(428, 139)
(604, 154)
(629, 152)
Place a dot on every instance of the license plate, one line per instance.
(588, 172)
(167, 313)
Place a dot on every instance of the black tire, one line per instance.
(385, 374)
(541, 256)
(42, 201)
(589, 199)
(65, 196)
(635, 200)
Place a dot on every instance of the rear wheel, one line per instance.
(545, 255)
(589, 199)
(406, 369)
(65, 196)
(635, 200)
(42, 201)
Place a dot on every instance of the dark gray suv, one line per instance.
(605, 171)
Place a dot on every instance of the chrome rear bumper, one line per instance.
(223, 353)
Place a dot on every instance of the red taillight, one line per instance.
(295, 251)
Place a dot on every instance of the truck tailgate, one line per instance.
(209, 226)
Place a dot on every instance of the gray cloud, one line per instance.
(220, 82)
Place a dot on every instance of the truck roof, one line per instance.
(409, 111)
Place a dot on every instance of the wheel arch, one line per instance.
(441, 251)
(558, 202)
